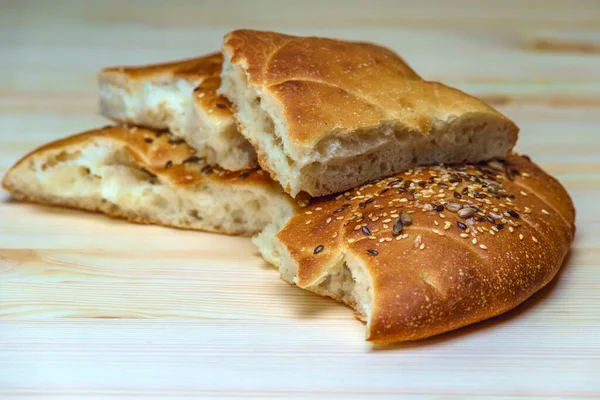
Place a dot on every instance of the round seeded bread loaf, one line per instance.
(431, 249)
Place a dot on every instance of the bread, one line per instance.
(473, 242)
(181, 97)
(147, 177)
(328, 115)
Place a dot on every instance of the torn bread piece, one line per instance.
(328, 115)
(180, 97)
(147, 177)
(432, 249)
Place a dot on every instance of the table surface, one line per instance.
(91, 306)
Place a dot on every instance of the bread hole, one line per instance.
(195, 214)
(160, 202)
(83, 171)
(254, 205)
(61, 157)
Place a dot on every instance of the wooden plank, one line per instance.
(96, 307)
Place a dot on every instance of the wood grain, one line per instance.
(96, 307)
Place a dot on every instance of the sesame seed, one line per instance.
(521, 236)
(474, 241)
(328, 220)
(466, 212)
(523, 193)
(307, 222)
(512, 213)
(534, 239)
(438, 232)
(461, 225)
(303, 202)
(194, 159)
(308, 212)
(338, 218)
(318, 209)
(447, 225)
(527, 210)
(545, 212)
(422, 246)
(442, 215)
(372, 252)
(406, 218)
(453, 206)
(351, 240)
(366, 231)
(511, 229)
(464, 235)
(318, 249)
(385, 221)
(417, 241)
(483, 246)
(436, 223)
(335, 234)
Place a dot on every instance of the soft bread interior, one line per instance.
(344, 160)
(347, 280)
(224, 145)
(167, 105)
(103, 176)
(261, 127)
(171, 105)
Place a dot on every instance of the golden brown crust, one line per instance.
(161, 154)
(326, 86)
(204, 71)
(440, 276)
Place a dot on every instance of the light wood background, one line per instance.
(93, 307)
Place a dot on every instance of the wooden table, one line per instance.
(95, 307)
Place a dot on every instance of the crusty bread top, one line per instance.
(161, 154)
(204, 71)
(441, 268)
(327, 86)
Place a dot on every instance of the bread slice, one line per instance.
(147, 177)
(181, 97)
(328, 115)
(432, 249)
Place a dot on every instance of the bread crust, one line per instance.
(326, 85)
(433, 280)
(132, 95)
(333, 101)
(204, 71)
(159, 153)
